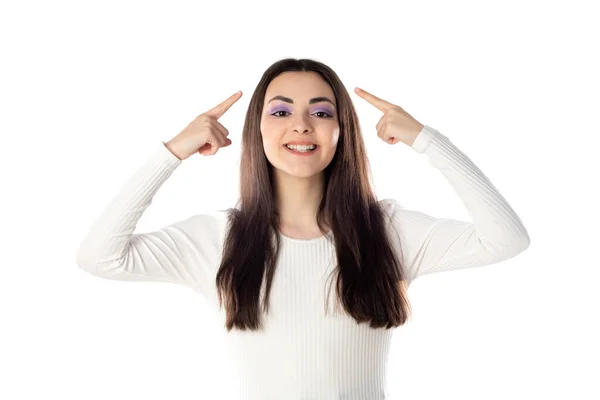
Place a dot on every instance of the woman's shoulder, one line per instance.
(405, 218)
(390, 206)
(206, 223)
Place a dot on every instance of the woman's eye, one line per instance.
(325, 114)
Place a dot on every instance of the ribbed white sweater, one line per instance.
(304, 353)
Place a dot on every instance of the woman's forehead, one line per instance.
(299, 85)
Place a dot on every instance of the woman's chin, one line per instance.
(301, 173)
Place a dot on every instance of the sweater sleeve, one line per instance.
(184, 252)
(428, 244)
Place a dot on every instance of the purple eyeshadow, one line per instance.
(281, 108)
(326, 110)
(277, 109)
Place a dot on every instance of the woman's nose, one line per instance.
(301, 123)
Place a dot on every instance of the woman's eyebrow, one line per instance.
(311, 101)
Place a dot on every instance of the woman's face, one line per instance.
(303, 113)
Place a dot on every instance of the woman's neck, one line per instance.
(298, 201)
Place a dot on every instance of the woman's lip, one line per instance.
(307, 153)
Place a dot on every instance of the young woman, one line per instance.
(307, 221)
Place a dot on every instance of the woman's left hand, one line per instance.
(396, 124)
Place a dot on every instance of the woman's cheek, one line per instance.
(335, 136)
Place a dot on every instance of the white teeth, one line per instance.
(301, 148)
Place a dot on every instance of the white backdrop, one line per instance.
(88, 89)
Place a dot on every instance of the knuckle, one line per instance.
(217, 138)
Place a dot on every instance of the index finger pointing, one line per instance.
(218, 111)
(381, 104)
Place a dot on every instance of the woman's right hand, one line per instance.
(204, 134)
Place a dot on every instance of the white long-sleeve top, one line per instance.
(304, 351)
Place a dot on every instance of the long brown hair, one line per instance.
(370, 283)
